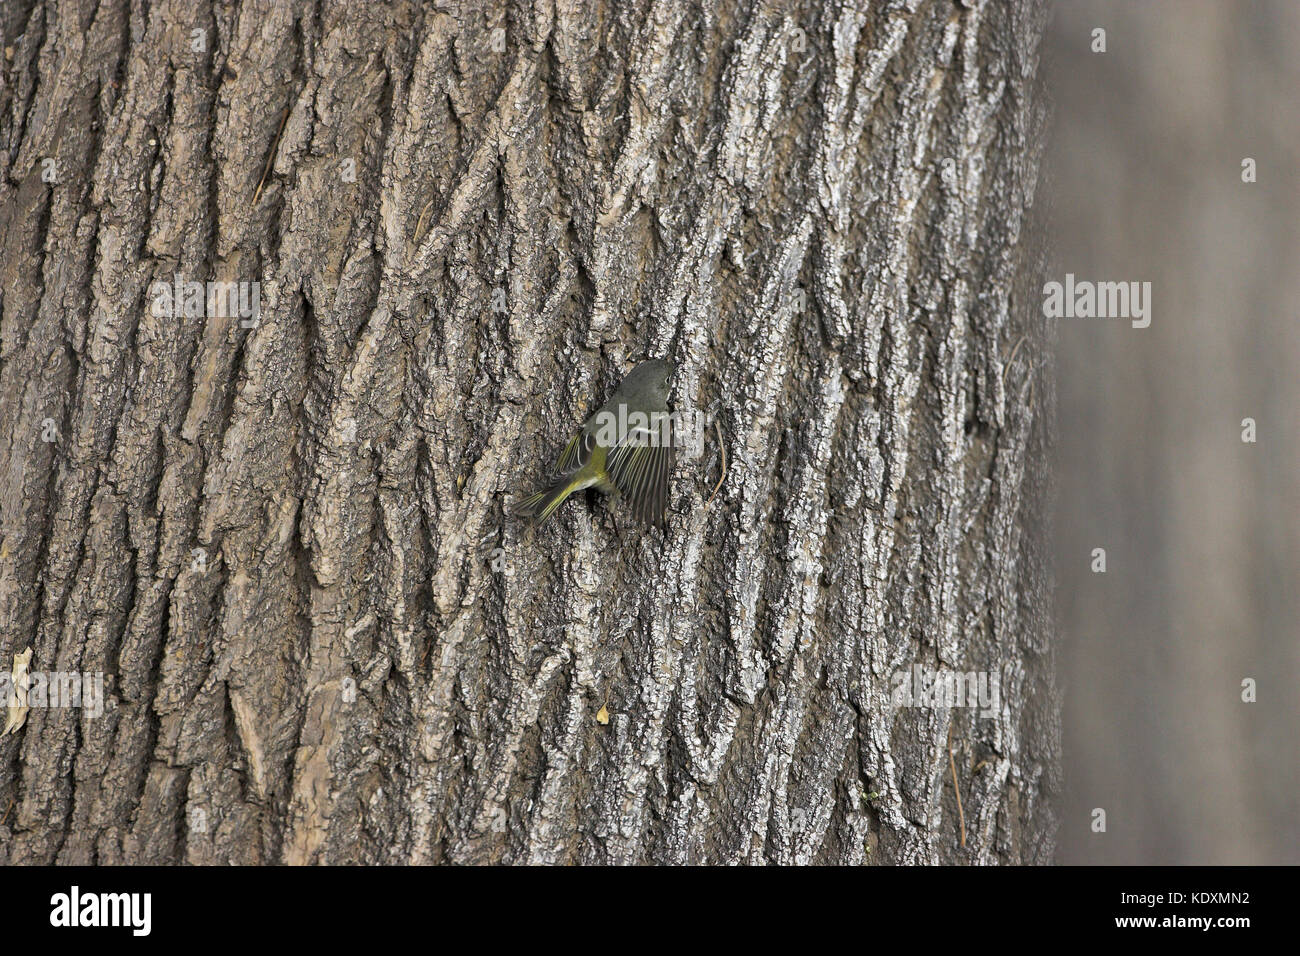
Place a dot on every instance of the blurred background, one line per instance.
(1201, 530)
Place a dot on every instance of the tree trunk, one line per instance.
(280, 538)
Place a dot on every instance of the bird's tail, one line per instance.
(541, 505)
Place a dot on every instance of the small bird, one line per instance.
(624, 449)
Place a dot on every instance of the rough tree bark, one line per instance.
(282, 541)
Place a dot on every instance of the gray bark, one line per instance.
(822, 214)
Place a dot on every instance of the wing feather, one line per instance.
(577, 453)
(640, 469)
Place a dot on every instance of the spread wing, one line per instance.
(577, 452)
(640, 466)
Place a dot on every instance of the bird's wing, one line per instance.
(639, 467)
(576, 453)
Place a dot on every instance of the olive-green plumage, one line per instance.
(624, 449)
